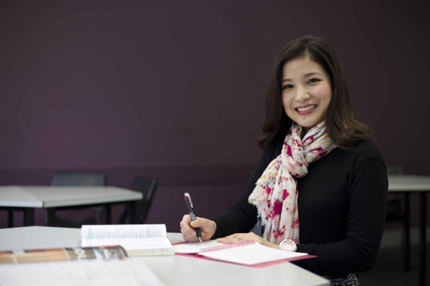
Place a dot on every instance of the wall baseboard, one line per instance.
(393, 237)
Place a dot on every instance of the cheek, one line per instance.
(323, 93)
(286, 101)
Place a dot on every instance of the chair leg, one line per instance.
(406, 236)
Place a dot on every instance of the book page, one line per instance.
(249, 254)
(85, 272)
(128, 243)
(120, 231)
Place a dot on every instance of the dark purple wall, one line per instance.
(175, 89)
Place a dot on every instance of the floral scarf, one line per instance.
(276, 193)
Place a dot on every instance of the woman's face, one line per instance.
(306, 91)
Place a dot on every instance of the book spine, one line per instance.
(227, 246)
(62, 254)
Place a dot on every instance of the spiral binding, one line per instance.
(228, 246)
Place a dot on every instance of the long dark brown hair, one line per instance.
(342, 127)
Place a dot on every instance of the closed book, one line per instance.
(62, 254)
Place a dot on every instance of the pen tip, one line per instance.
(201, 241)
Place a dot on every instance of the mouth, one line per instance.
(303, 110)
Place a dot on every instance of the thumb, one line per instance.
(197, 223)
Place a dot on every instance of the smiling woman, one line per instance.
(306, 92)
(321, 184)
(312, 53)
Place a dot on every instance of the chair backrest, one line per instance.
(395, 206)
(147, 186)
(394, 169)
(79, 179)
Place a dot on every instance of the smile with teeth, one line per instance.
(306, 108)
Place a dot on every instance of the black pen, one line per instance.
(187, 198)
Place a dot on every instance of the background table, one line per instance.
(171, 270)
(414, 184)
(27, 198)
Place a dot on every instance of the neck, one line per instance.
(304, 131)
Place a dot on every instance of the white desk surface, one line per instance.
(171, 270)
(411, 183)
(52, 196)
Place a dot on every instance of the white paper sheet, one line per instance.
(250, 254)
(79, 273)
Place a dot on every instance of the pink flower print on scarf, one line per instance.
(275, 194)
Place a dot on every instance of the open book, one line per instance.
(136, 239)
(244, 252)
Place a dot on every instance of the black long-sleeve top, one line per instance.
(342, 208)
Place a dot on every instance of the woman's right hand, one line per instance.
(207, 228)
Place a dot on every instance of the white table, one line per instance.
(171, 270)
(414, 184)
(27, 198)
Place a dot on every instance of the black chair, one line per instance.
(83, 179)
(79, 179)
(258, 228)
(136, 212)
(398, 211)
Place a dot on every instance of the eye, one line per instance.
(314, 80)
(287, 86)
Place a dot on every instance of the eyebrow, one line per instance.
(305, 76)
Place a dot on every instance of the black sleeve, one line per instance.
(368, 186)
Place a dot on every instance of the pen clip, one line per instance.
(188, 200)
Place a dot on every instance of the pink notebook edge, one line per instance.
(258, 265)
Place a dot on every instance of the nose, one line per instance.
(302, 94)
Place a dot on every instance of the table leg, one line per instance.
(108, 214)
(50, 213)
(10, 218)
(29, 217)
(406, 233)
(422, 247)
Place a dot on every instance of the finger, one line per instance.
(190, 237)
(185, 222)
(198, 222)
(187, 231)
(229, 239)
(185, 219)
(201, 224)
(226, 240)
(238, 237)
